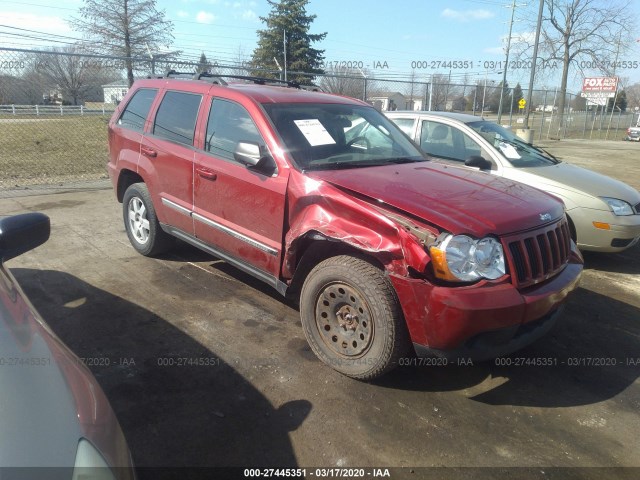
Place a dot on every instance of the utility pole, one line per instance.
(615, 97)
(364, 93)
(284, 42)
(506, 63)
(533, 66)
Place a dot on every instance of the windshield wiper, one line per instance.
(340, 165)
(405, 160)
(362, 164)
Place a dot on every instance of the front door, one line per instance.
(238, 210)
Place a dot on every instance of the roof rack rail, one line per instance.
(266, 81)
(219, 79)
(174, 73)
(195, 76)
(212, 77)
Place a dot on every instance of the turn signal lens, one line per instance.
(602, 225)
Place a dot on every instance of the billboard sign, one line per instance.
(600, 84)
(598, 90)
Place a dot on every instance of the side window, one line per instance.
(137, 109)
(471, 147)
(229, 124)
(437, 139)
(405, 124)
(176, 117)
(447, 142)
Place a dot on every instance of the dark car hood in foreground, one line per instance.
(456, 199)
(38, 419)
(48, 397)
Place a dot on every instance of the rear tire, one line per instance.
(352, 318)
(141, 222)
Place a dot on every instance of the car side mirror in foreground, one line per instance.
(251, 155)
(478, 162)
(21, 233)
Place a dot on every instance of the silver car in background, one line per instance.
(55, 420)
(604, 214)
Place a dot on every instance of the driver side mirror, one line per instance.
(21, 233)
(252, 155)
(478, 162)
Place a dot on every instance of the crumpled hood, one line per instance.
(456, 199)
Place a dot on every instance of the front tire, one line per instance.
(141, 222)
(351, 317)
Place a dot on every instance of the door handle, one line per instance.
(149, 152)
(206, 173)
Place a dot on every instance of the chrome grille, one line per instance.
(538, 255)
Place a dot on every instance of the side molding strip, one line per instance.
(222, 228)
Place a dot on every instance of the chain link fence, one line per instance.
(54, 109)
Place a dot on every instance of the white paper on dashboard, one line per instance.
(509, 151)
(314, 132)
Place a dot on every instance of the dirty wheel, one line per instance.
(141, 223)
(352, 318)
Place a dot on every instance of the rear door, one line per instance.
(167, 153)
(238, 210)
(125, 134)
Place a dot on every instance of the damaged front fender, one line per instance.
(318, 210)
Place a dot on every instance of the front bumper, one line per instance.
(486, 319)
(623, 231)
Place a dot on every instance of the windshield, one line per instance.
(332, 136)
(519, 153)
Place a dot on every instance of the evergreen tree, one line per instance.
(288, 22)
(515, 97)
(203, 64)
(621, 102)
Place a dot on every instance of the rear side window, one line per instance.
(229, 124)
(137, 109)
(176, 117)
(405, 124)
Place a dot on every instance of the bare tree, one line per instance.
(343, 81)
(633, 96)
(73, 75)
(578, 31)
(125, 28)
(242, 61)
(439, 96)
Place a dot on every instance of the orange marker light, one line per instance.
(602, 225)
(440, 267)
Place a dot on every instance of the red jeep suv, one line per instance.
(325, 199)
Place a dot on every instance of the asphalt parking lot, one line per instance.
(207, 367)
